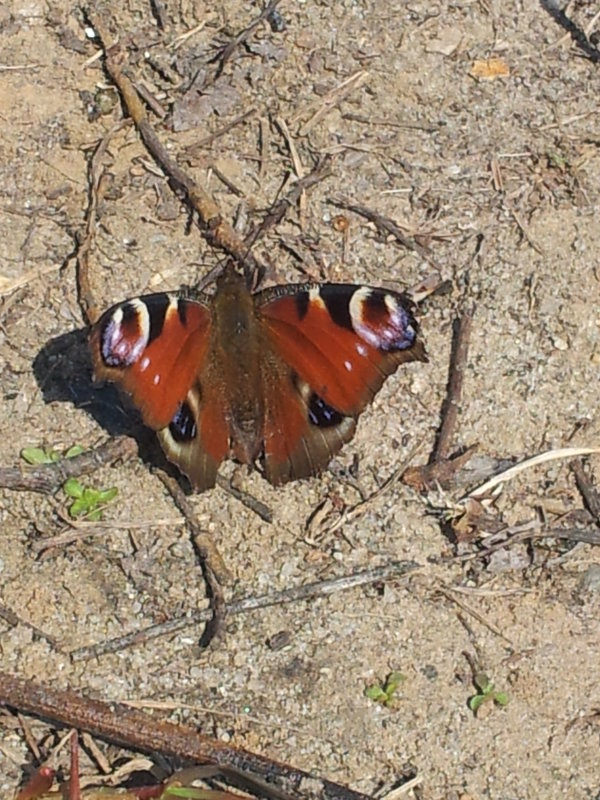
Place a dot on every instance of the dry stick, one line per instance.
(202, 143)
(226, 53)
(387, 226)
(588, 491)
(441, 468)
(316, 589)
(9, 616)
(139, 731)
(213, 566)
(48, 478)
(534, 530)
(85, 294)
(578, 36)
(279, 210)
(458, 362)
(217, 231)
(262, 510)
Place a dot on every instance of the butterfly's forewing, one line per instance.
(155, 348)
(334, 345)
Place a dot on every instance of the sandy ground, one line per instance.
(498, 179)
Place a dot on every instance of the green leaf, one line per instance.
(106, 495)
(501, 698)
(393, 681)
(37, 455)
(78, 508)
(375, 692)
(73, 488)
(191, 792)
(475, 702)
(76, 450)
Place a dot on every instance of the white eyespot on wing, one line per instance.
(144, 364)
(381, 320)
(348, 366)
(156, 380)
(125, 334)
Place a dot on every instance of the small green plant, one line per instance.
(87, 501)
(486, 693)
(385, 693)
(192, 793)
(48, 455)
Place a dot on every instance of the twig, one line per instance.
(278, 211)
(136, 730)
(193, 149)
(159, 13)
(588, 491)
(48, 478)
(262, 510)
(533, 530)
(296, 163)
(225, 54)
(328, 101)
(387, 226)
(441, 468)
(449, 595)
(444, 472)
(213, 566)
(523, 228)
(82, 529)
(578, 36)
(216, 230)
(13, 619)
(85, 294)
(295, 594)
(458, 363)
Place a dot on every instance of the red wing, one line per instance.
(300, 436)
(154, 347)
(341, 340)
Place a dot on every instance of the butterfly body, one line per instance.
(282, 374)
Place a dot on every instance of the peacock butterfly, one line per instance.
(282, 374)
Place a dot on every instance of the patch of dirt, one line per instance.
(498, 178)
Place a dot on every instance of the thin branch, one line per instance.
(97, 184)
(441, 469)
(534, 461)
(225, 54)
(13, 619)
(388, 226)
(216, 230)
(48, 478)
(458, 363)
(139, 731)
(213, 566)
(590, 494)
(575, 32)
(295, 594)
(279, 210)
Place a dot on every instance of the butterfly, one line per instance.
(281, 374)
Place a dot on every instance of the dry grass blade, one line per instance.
(534, 461)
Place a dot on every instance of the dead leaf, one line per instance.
(490, 69)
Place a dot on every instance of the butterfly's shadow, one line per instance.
(63, 371)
